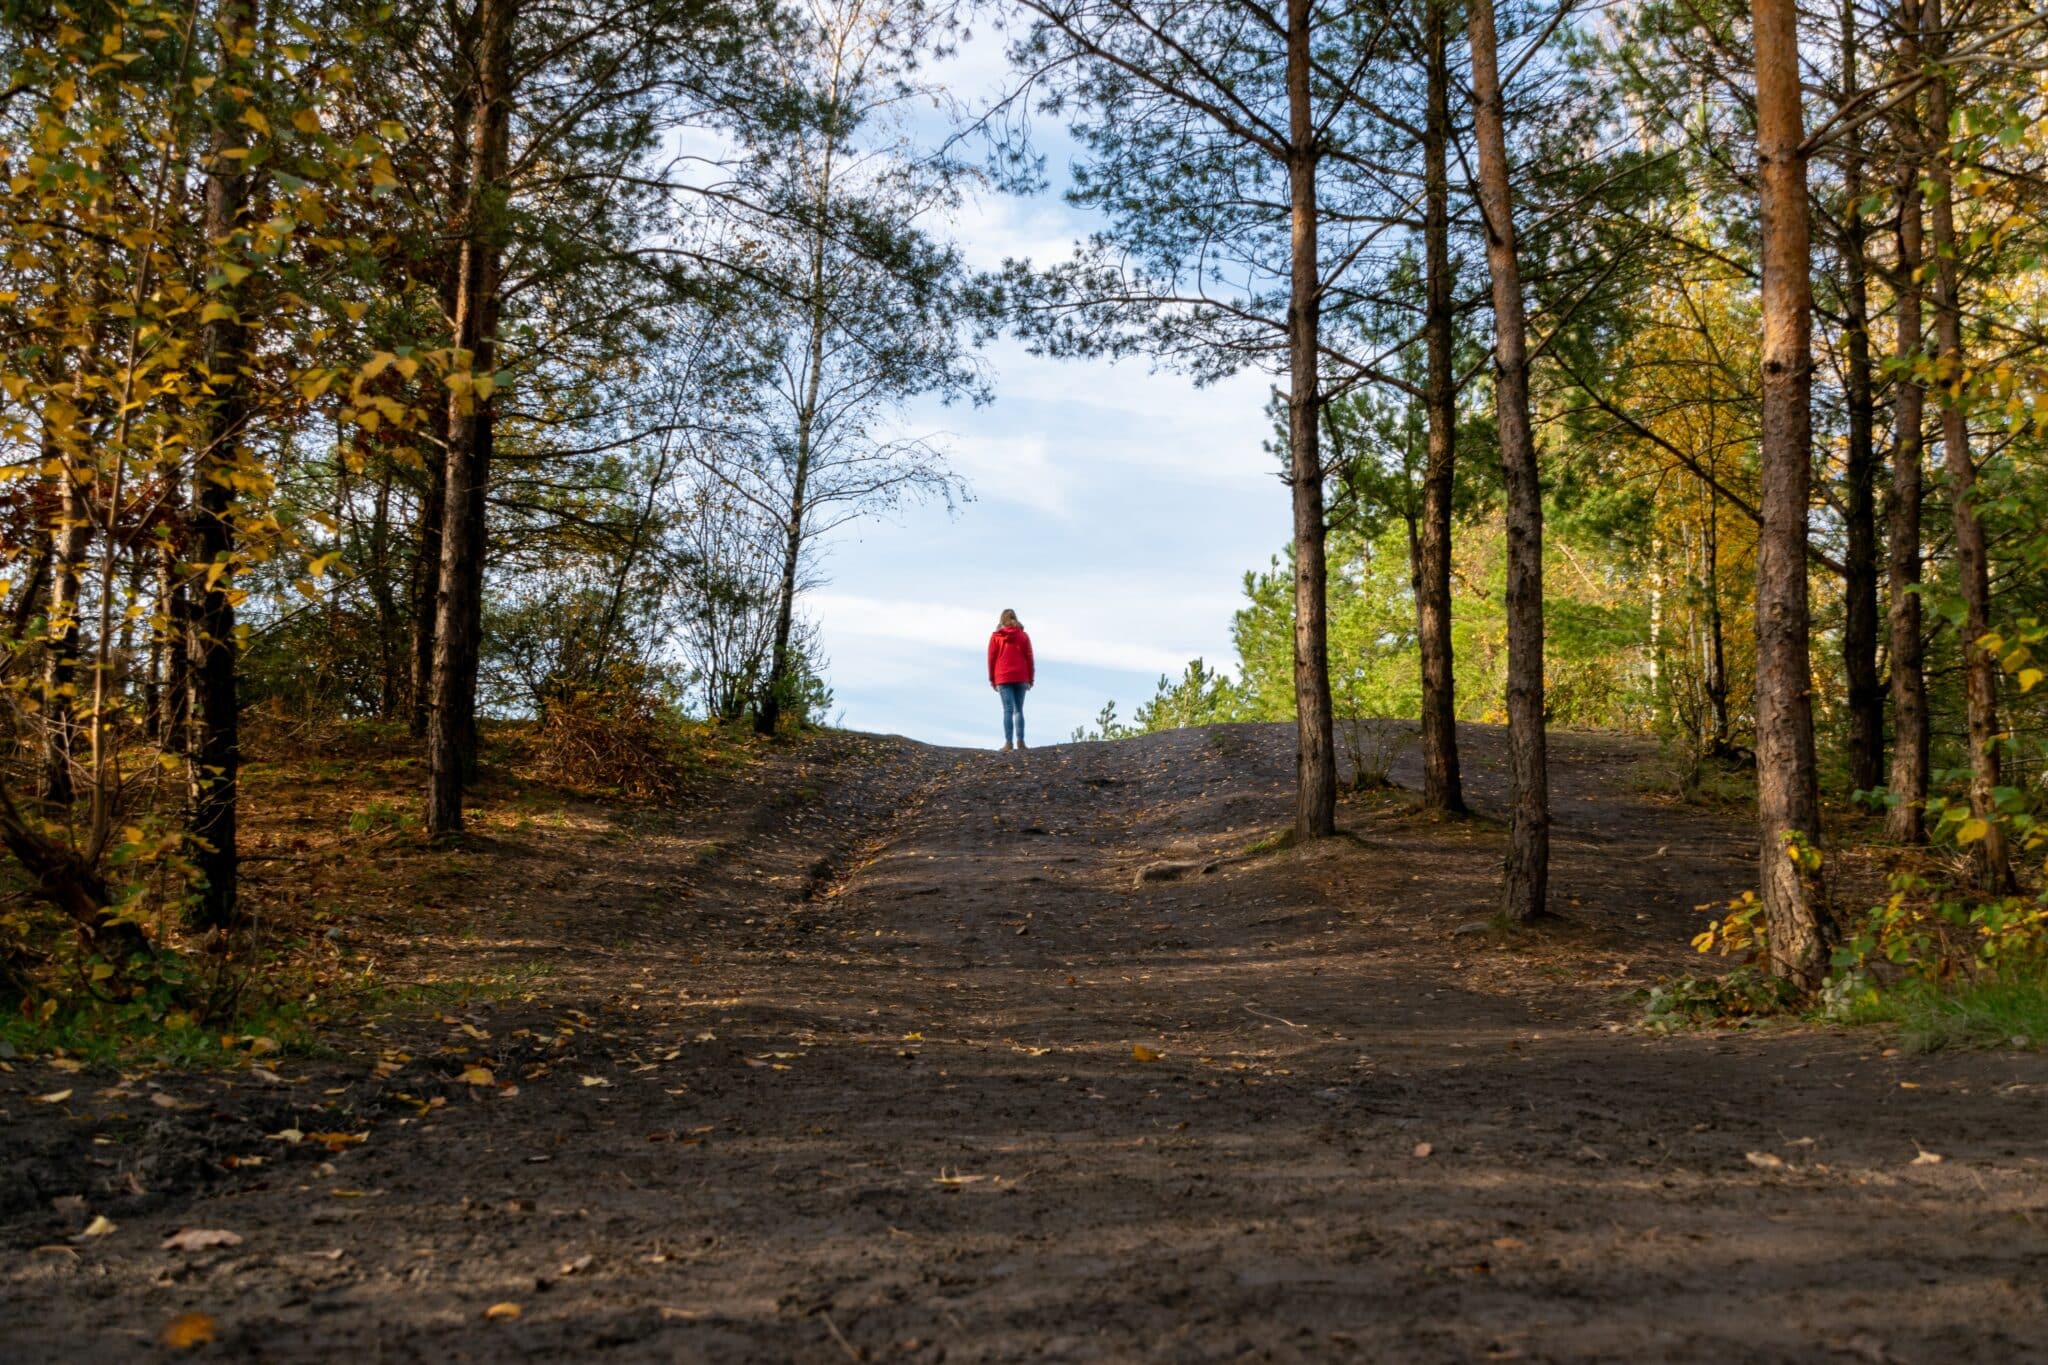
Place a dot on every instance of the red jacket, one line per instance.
(1009, 656)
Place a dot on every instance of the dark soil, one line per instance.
(905, 1053)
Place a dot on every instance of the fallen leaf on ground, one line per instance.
(1927, 1158)
(1508, 1243)
(502, 1311)
(100, 1226)
(187, 1331)
(1909, 1085)
(1764, 1161)
(478, 1075)
(290, 1135)
(956, 1178)
(580, 1263)
(54, 1097)
(163, 1101)
(595, 1080)
(334, 1142)
(66, 1064)
(1139, 1052)
(1422, 1149)
(199, 1239)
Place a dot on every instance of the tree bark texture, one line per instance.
(60, 668)
(1906, 819)
(1315, 801)
(1442, 788)
(1787, 804)
(768, 712)
(426, 579)
(1526, 887)
(1859, 614)
(451, 724)
(214, 758)
(1973, 570)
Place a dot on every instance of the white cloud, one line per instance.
(1017, 469)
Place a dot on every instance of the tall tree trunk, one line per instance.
(1973, 570)
(384, 593)
(29, 597)
(426, 574)
(1315, 798)
(1717, 654)
(1527, 884)
(1787, 803)
(215, 755)
(173, 715)
(60, 668)
(1906, 820)
(434, 499)
(1859, 619)
(768, 713)
(1441, 787)
(451, 725)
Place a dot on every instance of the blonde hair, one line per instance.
(1008, 618)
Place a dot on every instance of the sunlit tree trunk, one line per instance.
(1527, 883)
(1441, 787)
(60, 666)
(768, 712)
(1973, 569)
(1906, 820)
(1787, 803)
(1716, 650)
(1315, 802)
(451, 726)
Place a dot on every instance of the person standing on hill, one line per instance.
(1011, 673)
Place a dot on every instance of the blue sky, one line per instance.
(1116, 508)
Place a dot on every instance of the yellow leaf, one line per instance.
(1972, 830)
(306, 121)
(478, 1075)
(216, 311)
(1140, 1052)
(54, 1097)
(595, 1080)
(187, 1331)
(100, 1226)
(255, 119)
(2028, 677)
(502, 1312)
(64, 93)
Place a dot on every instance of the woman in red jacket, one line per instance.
(1011, 673)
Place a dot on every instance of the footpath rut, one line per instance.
(962, 1056)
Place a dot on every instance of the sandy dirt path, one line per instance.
(960, 1056)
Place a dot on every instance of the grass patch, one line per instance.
(1740, 999)
(2007, 1010)
(105, 1033)
(1273, 843)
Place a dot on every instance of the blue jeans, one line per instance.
(1013, 711)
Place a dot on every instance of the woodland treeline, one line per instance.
(414, 361)
(1658, 366)
(1672, 365)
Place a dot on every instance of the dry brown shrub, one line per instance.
(617, 742)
